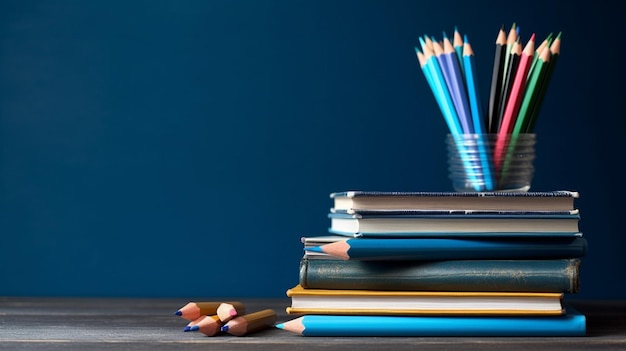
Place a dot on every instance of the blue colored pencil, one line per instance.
(446, 57)
(439, 89)
(477, 112)
(571, 324)
(453, 248)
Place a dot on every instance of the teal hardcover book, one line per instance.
(552, 275)
(573, 323)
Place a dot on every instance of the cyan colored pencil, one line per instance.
(439, 89)
(451, 121)
(476, 112)
(570, 324)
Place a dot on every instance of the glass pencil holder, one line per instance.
(491, 162)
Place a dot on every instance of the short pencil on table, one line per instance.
(207, 325)
(228, 310)
(250, 323)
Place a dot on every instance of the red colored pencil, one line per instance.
(514, 101)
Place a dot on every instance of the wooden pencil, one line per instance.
(426, 249)
(570, 324)
(545, 43)
(449, 112)
(509, 77)
(458, 47)
(229, 310)
(426, 42)
(511, 39)
(191, 324)
(208, 325)
(555, 50)
(440, 89)
(476, 111)
(194, 310)
(446, 60)
(533, 88)
(250, 323)
(496, 82)
(513, 102)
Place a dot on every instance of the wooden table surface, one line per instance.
(150, 324)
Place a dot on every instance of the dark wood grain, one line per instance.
(150, 324)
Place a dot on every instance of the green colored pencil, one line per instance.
(555, 50)
(533, 87)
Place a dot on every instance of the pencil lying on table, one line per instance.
(207, 325)
(194, 310)
(228, 310)
(250, 323)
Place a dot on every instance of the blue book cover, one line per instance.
(572, 323)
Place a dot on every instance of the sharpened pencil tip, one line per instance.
(194, 328)
(314, 249)
(187, 329)
(224, 328)
(280, 325)
(178, 313)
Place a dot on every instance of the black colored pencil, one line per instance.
(511, 70)
(496, 82)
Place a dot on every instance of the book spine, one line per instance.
(555, 275)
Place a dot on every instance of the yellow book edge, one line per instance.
(300, 291)
(402, 312)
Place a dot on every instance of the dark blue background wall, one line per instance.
(182, 148)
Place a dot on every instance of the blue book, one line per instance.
(572, 323)
(370, 249)
(401, 223)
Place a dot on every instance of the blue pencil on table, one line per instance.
(572, 323)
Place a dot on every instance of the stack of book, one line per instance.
(442, 264)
